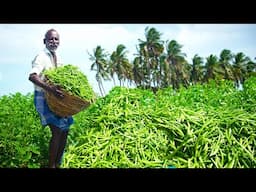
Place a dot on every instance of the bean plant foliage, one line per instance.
(23, 142)
(203, 126)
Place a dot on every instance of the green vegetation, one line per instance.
(203, 126)
(71, 79)
(23, 141)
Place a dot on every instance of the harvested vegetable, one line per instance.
(71, 79)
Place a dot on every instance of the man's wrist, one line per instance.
(48, 88)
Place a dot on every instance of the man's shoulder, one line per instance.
(42, 53)
(41, 57)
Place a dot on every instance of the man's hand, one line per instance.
(56, 90)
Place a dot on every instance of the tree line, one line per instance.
(159, 64)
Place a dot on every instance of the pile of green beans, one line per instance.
(71, 79)
(205, 126)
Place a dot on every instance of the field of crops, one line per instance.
(203, 126)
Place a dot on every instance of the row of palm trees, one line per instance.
(158, 64)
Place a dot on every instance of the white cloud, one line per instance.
(206, 39)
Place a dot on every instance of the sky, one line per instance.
(20, 43)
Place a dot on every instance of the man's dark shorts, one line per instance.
(47, 116)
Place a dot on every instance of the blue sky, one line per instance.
(19, 43)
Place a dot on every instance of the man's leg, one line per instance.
(54, 145)
(63, 141)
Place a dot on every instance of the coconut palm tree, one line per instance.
(120, 64)
(137, 72)
(225, 62)
(212, 68)
(239, 68)
(150, 51)
(100, 66)
(165, 72)
(250, 69)
(178, 64)
(197, 69)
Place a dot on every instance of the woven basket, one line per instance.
(68, 106)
